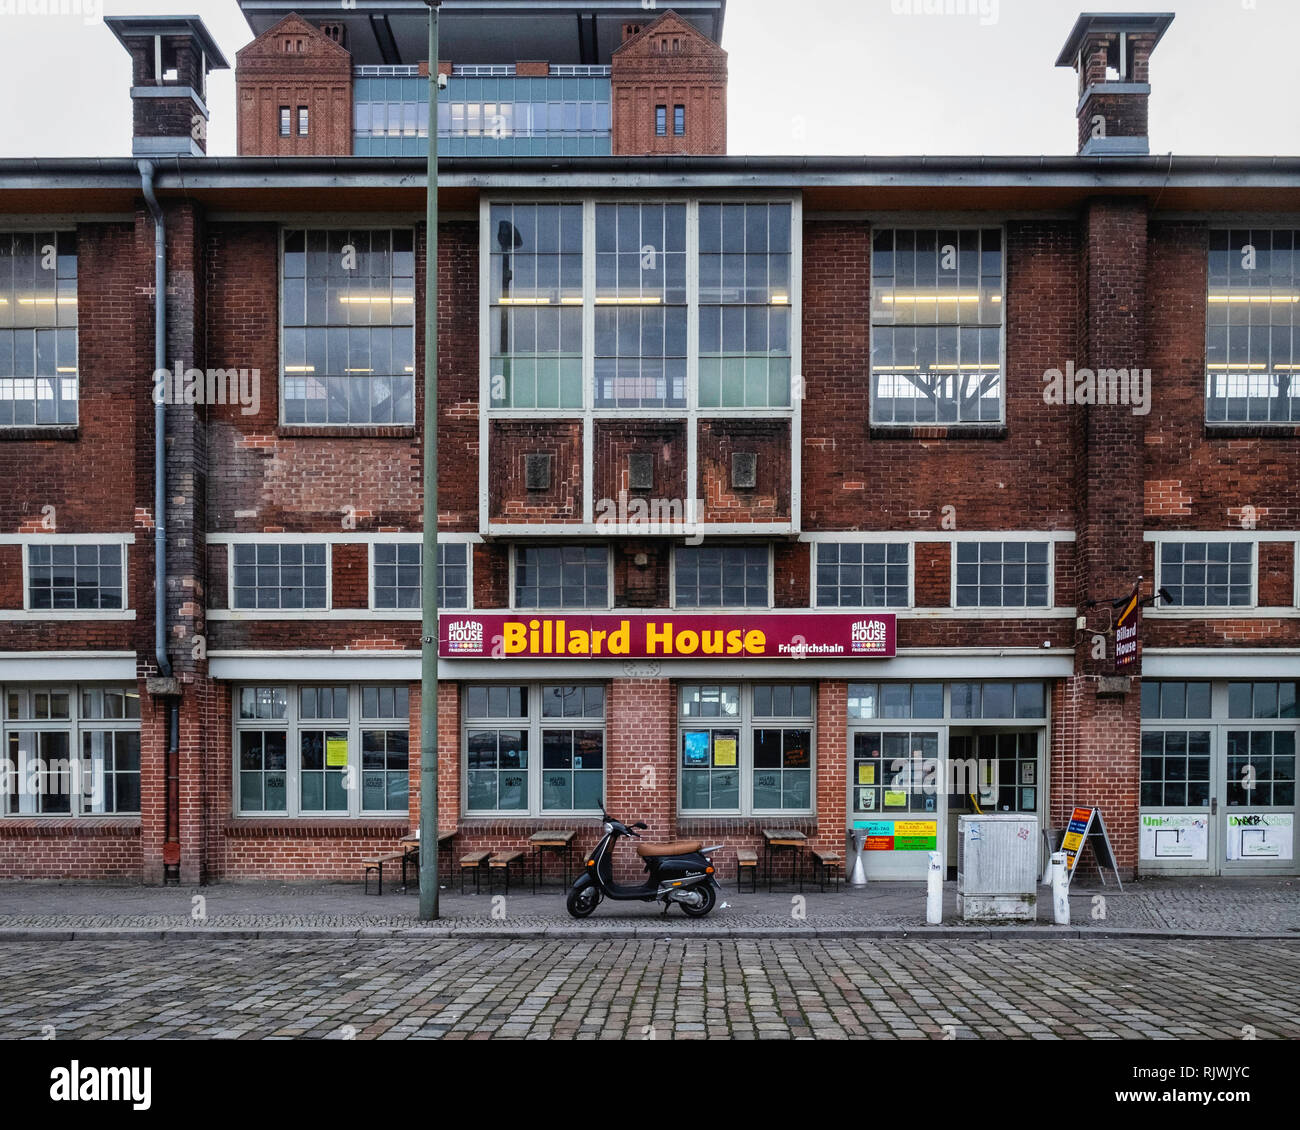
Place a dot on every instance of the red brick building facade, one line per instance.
(660, 396)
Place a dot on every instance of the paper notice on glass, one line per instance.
(866, 774)
(724, 752)
(336, 753)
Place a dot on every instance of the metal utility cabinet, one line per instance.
(997, 866)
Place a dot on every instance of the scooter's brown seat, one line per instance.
(677, 847)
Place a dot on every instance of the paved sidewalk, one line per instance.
(30, 909)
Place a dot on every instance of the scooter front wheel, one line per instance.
(582, 903)
(705, 905)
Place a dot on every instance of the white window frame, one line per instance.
(1295, 359)
(585, 543)
(293, 724)
(771, 581)
(534, 723)
(27, 612)
(279, 613)
(938, 224)
(363, 223)
(1192, 538)
(745, 723)
(849, 539)
(467, 540)
(56, 229)
(1009, 611)
(75, 725)
(691, 414)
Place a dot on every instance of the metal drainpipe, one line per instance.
(171, 843)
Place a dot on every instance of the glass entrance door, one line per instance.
(897, 797)
(993, 771)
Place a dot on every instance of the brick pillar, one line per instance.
(1097, 735)
(641, 762)
(832, 765)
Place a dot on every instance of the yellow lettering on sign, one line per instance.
(656, 635)
(755, 642)
(514, 636)
(620, 640)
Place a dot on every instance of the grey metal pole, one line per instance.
(429, 615)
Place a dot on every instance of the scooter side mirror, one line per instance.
(640, 824)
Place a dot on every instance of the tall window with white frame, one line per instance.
(744, 305)
(348, 327)
(746, 748)
(1252, 327)
(640, 306)
(298, 747)
(70, 751)
(38, 329)
(937, 315)
(536, 299)
(506, 728)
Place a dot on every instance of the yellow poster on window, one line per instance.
(866, 774)
(336, 753)
(724, 752)
(895, 798)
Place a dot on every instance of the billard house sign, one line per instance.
(1127, 628)
(737, 635)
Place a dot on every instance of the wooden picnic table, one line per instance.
(411, 850)
(558, 841)
(783, 839)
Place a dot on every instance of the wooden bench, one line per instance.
(376, 865)
(472, 861)
(827, 864)
(503, 861)
(747, 860)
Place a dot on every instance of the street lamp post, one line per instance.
(429, 580)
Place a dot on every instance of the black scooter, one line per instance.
(678, 872)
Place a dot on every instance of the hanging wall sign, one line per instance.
(727, 635)
(1128, 631)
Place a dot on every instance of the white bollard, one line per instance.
(1060, 890)
(934, 891)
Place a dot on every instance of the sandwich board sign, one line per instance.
(1086, 826)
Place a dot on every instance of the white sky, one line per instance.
(807, 76)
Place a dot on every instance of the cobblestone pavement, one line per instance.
(1240, 906)
(681, 988)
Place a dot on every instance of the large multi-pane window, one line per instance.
(38, 328)
(1252, 330)
(322, 750)
(535, 291)
(61, 576)
(70, 751)
(1216, 574)
(561, 576)
(349, 326)
(936, 326)
(640, 305)
(728, 576)
(484, 110)
(744, 305)
(1003, 574)
(282, 575)
(863, 574)
(398, 574)
(508, 727)
(746, 748)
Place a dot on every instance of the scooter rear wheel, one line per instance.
(706, 889)
(582, 903)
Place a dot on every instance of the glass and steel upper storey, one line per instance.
(486, 110)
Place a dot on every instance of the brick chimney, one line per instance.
(170, 60)
(1111, 53)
